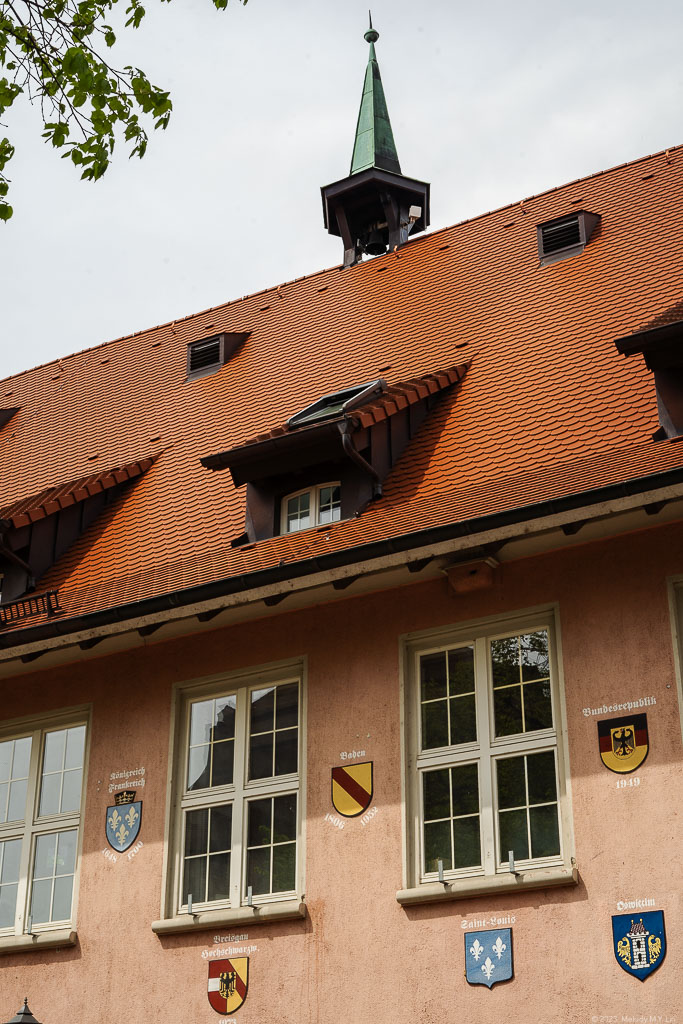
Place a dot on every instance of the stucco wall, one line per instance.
(359, 955)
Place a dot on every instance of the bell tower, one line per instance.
(376, 207)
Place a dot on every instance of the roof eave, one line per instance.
(671, 480)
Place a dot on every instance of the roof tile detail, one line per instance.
(547, 409)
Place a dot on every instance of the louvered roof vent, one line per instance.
(208, 354)
(565, 236)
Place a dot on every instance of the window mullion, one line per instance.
(486, 799)
(239, 810)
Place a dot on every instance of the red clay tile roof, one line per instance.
(380, 407)
(52, 499)
(548, 408)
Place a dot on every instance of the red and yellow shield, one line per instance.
(228, 983)
(623, 743)
(352, 788)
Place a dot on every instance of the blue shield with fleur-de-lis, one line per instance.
(488, 956)
(123, 824)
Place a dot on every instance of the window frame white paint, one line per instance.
(239, 792)
(484, 751)
(314, 506)
(33, 825)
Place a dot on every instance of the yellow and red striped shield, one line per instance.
(228, 984)
(352, 788)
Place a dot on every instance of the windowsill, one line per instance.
(39, 940)
(265, 913)
(482, 885)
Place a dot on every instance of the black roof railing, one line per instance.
(26, 607)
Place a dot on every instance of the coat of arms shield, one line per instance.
(123, 820)
(228, 984)
(488, 956)
(639, 943)
(352, 787)
(623, 743)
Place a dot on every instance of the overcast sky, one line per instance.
(490, 102)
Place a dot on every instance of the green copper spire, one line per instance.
(374, 145)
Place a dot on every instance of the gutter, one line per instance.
(365, 558)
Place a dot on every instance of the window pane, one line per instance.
(17, 800)
(223, 757)
(5, 760)
(433, 676)
(40, 900)
(44, 864)
(286, 749)
(545, 835)
(195, 879)
(61, 898)
(437, 797)
(53, 757)
(261, 756)
(508, 710)
(201, 720)
(219, 876)
(220, 837)
(258, 870)
(465, 782)
(329, 504)
(71, 790)
(224, 725)
(49, 794)
(4, 794)
(262, 710)
(538, 710)
(259, 828)
(198, 776)
(284, 864)
(435, 725)
(463, 720)
(196, 832)
(541, 771)
(287, 713)
(8, 905)
(461, 670)
(466, 842)
(437, 843)
(10, 853)
(534, 655)
(284, 818)
(22, 757)
(513, 834)
(505, 661)
(511, 787)
(66, 853)
(75, 742)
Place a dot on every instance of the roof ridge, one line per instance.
(338, 267)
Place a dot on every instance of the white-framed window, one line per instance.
(486, 767)
(314, 506)
(41, 792)
(238, 811)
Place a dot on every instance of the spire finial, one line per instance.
(371, 36)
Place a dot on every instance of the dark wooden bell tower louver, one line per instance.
(376, 208)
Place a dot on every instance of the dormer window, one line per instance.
(316, 506)
(565, 236)
(209, 354)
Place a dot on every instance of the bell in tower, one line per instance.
(376, 208)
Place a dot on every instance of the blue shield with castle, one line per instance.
(123, 821)
(639, 942)
(488, 956)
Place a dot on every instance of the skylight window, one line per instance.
(565, 236)
(336, 403)
(208, 354)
